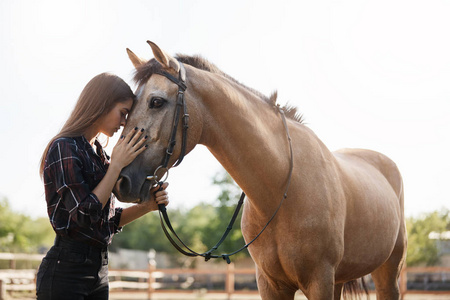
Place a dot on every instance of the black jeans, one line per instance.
(73, 271)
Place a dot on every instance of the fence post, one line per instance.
(229, 280)
(2, 290)
(12, 264)
(151, 280)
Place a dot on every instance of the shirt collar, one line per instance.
(85, 143)
(87, 146)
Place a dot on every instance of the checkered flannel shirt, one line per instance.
(72, 171)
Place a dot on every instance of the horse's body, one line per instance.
(343, 217)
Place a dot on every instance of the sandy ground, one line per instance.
(222, 296)
(211, 296)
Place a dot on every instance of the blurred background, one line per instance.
(363, 74)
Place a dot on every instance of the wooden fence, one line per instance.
(442, 272)
(151, 281)
(147, 281)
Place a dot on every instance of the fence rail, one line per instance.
(152, 280)
(140, 281)
(441, 274)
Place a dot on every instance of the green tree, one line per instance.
(225, 207)
(20, 233)
(194, 227)
(422, 249)
(145, 233)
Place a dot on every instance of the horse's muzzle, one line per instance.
(123, 190)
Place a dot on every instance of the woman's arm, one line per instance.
(106, 185)
(125, 151)
(131, 213)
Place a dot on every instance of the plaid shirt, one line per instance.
(72, 171)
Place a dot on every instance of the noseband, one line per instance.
(181, 82)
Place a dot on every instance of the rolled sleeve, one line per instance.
(93, 210)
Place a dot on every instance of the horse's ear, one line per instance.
(137, 61)
(165, 59)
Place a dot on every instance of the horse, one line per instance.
(343, 216)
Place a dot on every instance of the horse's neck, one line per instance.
(247, 137)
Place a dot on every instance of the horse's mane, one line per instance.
(146, 70)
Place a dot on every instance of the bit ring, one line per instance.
(155, 177)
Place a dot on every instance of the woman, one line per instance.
(79, 179)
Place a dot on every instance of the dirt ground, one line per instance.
(221, 296)
(211, 296)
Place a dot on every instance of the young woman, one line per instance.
(79, 179)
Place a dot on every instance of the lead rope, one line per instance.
(208, 254)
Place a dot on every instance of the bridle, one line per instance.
(165, 222)
(180, 105)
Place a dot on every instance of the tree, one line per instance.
(143, 234)
(422, 249)
(20, 233)
(226, 204)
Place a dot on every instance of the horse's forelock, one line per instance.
(145, 71)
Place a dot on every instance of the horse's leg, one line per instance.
(276, 294)
(337, 291)
(386, 276)
(268, 291)
(322, 290)
(385, 279)
(321, 286)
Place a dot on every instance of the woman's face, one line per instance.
(111, 122)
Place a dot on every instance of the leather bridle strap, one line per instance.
(181, 104)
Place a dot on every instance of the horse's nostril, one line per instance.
(124, 185)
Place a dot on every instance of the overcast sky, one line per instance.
(366, 74)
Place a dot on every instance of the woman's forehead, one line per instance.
(127, 104)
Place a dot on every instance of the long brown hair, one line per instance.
(98, 97)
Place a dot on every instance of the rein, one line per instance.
(164, 218)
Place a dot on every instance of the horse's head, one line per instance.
(161, 109)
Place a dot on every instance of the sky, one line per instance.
(364, 74)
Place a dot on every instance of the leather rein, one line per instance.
(164, 218)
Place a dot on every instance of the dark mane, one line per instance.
(144, 72)
(202, 63)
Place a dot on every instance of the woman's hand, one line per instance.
(128, 148)
(157, 197)
(133, 212)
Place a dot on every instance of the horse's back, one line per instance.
(369, 176)
(377, 160)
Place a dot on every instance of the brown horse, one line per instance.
(343, 217)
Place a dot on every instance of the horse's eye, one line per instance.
(156, 102)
